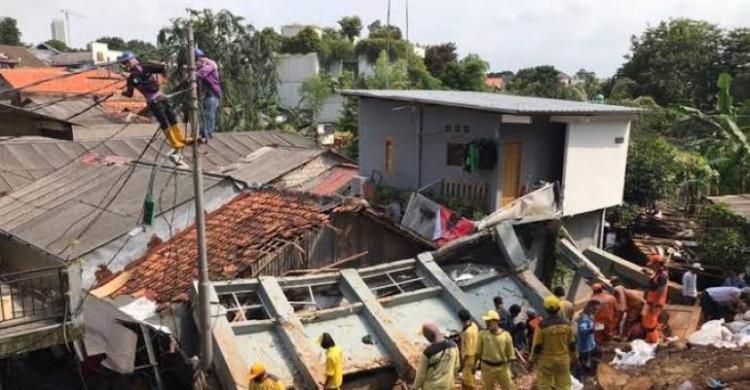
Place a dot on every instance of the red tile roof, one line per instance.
(237, 234)
(334, 181)
(94, 82)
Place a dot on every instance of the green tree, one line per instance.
(466, 75)
(114, 43)
(676, 62)
(438, 56)
(724, 240)
(389, 75)
(306, 41)
(351, 26)
(539, 81)
(142, 49)
(313, 93)
(419, 76)
(590, 84)
(9, 33)
(378, 30)
(57, 45)
(334, 46)
(246, 59)
(736, 59)
(652, 171)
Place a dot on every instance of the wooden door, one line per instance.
(510, 185)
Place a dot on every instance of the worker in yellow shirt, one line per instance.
(554, 349)
(260, 379)
(495, 354)
(439, 362)
(334, 362)
(469, 337)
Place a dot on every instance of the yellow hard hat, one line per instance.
(256, 370)
(552, 303)
(491, 315)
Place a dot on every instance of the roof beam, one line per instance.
(455, 294)
(403, 352)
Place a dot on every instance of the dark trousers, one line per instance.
(162, 110)
(711, 309)
(587, 362)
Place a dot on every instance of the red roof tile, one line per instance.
(334, 181)
(237, 234)
(94, 82)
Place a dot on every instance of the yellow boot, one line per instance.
(175, 137)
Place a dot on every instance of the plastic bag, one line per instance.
(575, 384)
(640, 353)
(737, 326)
(713, 333)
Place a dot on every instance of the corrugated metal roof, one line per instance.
(268, 163)
(94, 200)
(495, 102)
(24, 160)
(739, 204)
(21, 54)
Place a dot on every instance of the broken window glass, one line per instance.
(315, 297)
(392, 283)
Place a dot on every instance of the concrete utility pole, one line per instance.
(204, 304)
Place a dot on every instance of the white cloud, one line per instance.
(510, 34)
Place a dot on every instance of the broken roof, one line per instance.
(495, 102)
(19, 121)
(268, 163)
(239, 234)
(24, 160)
(21, 55)
(72, 58)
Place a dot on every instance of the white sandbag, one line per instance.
(640, 353)
(737, 326)
(741, 340)
(713, 333)
(746, 316)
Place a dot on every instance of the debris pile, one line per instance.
(735, 334)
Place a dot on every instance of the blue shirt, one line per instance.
(586, 341)
(506, 323)
(735, 282)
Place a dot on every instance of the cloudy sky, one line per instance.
(510, 34)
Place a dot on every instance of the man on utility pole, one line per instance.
(204, 317)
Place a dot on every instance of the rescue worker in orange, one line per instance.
(554, 349)
(653, 320)
(605, 316)
(658, 284)
(635, 303)
(621, 304)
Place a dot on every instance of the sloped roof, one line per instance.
(495, 102)
(268, 163)
(72, 58)
(22, 55)
(88, 203)
(24, 160)
(238, 235)
(333, 181)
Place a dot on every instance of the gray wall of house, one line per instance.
(585, 228)
(130, 246)
(543, 144)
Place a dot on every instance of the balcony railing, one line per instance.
(33, 295)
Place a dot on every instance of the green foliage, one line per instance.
(334, 46)
(623, 89)
(591, 86)
(621, 216)
(306, 41)
(351, 26)
(389, 75)
(543, 81)
(676, 62)
(246, 59)
(314, 92)
(143, 50)
(9, 32)
(438, 56)
(59, 45)
(466, 75)
(725, 238)
(372, 47)
(467, 209)
(419, 76)
(378, 30)
(652, 170)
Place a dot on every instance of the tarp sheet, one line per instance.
(434, 221)
(106, 335)
(539, 204)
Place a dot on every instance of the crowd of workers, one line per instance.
(555, 345)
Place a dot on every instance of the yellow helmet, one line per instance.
(552, 303)
(256, 370)
(491, 315)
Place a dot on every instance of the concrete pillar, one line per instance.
(533, 289)
(511, 247)
(404, 353)
(290, 330)
(455, 294)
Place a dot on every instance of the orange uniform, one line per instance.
(606, 314)
(657, 288)
(634, 302)
(650, 324)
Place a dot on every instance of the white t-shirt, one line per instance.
(724, 295)
(690, 284)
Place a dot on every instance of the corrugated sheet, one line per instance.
(86, 204)
(21, 54)
(268, 163)
(495, 102)
(24, 160)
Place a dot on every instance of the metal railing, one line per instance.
(32, 295)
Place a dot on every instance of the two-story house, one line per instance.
(498, 147)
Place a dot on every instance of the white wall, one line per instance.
(101, 54)
(594, 172)
(293, 70)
